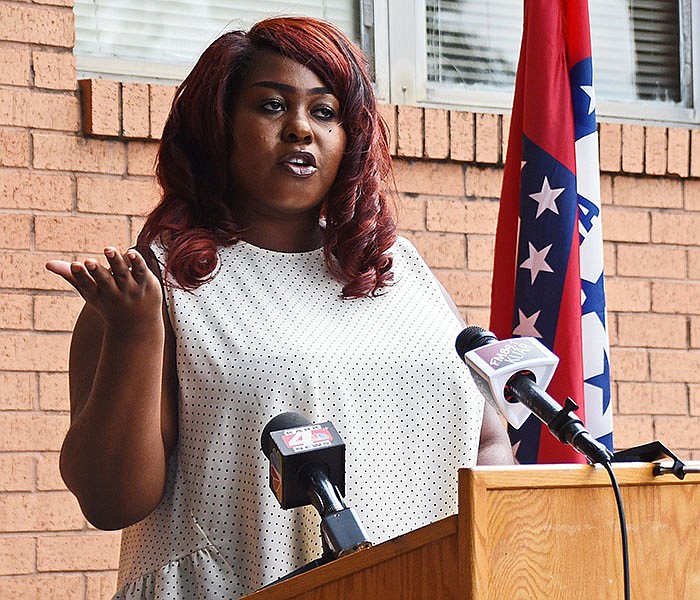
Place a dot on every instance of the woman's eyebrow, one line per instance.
(283, 87)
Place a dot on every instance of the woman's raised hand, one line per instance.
(125, 295)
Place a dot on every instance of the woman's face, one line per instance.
(287, 141)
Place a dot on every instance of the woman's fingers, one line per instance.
(139, 270)
(120, 268)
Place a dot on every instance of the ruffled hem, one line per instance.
(201, 575)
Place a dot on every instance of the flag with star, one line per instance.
(548, 260)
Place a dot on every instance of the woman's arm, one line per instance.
(494, 445)
(123, 391)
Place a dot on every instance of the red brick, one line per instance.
(652, 331)
(652, 398)
(488, 138)
(17, 391)
(480, 252)
(53, 391)
(505, 134)
(135, 110)
(22, 270)
(70, 153)
(116, 196)
(101, 586)
(678, 151)
(56, 313)
(462, 216)
(610, 147)
(655, 150)
(15, 311)
(694, 263)
(14, 148)
(32, 352)
(136, 227)
(669, 228)
(54, 70)
(17, 231)
(53, 587)
(632, 431)
(78, 552)
(39, 511)
(629, 365)
(626, 224)
(651, 261)
(484, 182)
(694, 400)
(37, 25)
(648, 192)
(161, 97)
(477, 316)
(16, 475)
(48, 475)
(695, 153)
(40, 110)
(437, 133)
(675, 297)
(141, 158)
(410, 131)
(388, 115)
(691, 193)
(675, 365)
(15, 66)
(610, 258)
(629, 295)
(36, 191)
(678, 432)
(441, 250)
(466, 289)
(429, 177)
(32, 431)
(606, 191)
(462, 141)
(411, 213)
(55, 2)
(81, 234)
(101, 107)
(16, 556)
(632, 148)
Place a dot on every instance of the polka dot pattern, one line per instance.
(270, 333)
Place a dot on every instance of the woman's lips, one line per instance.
(301, 164)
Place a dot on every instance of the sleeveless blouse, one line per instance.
(270, 333)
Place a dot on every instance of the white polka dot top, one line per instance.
(271, 333)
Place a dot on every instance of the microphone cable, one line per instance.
(623, 528)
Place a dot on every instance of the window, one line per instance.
(454, 53)
(161, 39)
(465, 53)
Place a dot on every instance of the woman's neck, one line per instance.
(284, 236)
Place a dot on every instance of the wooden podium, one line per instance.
(530, 532)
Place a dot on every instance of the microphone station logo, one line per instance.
(310, 437)
(508, 353)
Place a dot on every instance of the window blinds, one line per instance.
(637, 46)
(163, 38)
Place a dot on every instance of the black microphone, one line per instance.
(307, 466)
(510, 367)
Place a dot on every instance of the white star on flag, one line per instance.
(526, 325)
(536, 261)
(546, 197)
(588, 90)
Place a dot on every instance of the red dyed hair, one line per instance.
(194, 216)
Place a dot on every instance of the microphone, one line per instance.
(307, 466)
(512, 370)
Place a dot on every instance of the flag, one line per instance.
(548, 259)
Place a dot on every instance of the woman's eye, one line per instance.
(273, 106)
(325, 112)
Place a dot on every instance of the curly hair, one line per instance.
(195, 216)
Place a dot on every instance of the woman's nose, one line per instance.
(298, 129)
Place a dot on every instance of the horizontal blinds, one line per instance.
(173, 32)
(636, 46)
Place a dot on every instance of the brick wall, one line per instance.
(76, 165)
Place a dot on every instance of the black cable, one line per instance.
(623, 528)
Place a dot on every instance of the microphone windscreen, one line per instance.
(286, 420)
(471, 338)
